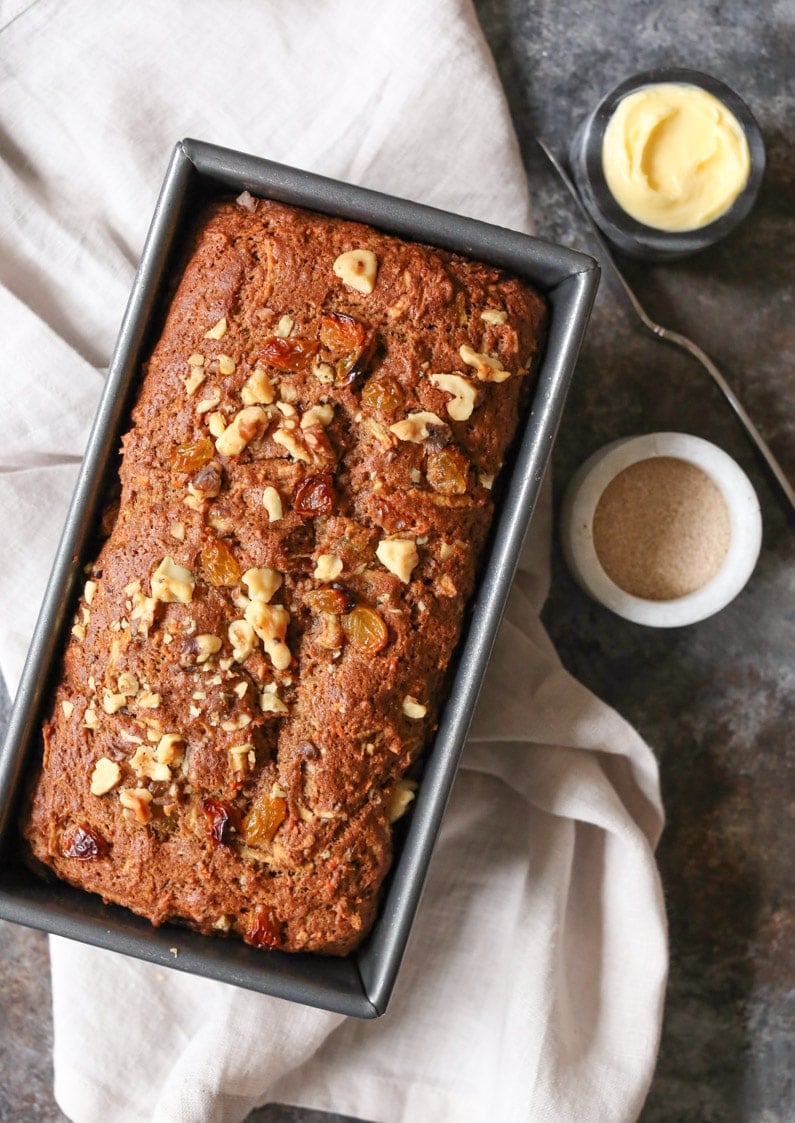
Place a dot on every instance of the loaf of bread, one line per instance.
(260, 649)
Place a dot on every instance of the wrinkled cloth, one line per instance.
(533, 984)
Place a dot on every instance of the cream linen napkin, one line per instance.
(545, 865)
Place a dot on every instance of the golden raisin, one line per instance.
(264, 931)
(191, 457)
(341, 333)
(82, 842)
(219, 565)
(216, 815)
(287, 354)
(447, 471)
(316, 495)
(356, 366)
(382, 395)
(264, 819)
(366, 630)
(333, 598)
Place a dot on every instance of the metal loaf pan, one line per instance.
(361, 983)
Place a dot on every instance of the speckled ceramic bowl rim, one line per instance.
(586, 489)
(620, 227)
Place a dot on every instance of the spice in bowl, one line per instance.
(663, 529)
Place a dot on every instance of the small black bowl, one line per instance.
(626, 233)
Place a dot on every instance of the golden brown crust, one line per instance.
(311, 460)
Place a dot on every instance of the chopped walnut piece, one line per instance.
(90, 719)
(111, 703)
(328, 567)
(272, 502)
(90, 590)
(447, 587)
(445, 551)
(127, 683)
(357, 268)
(68, 708)
(321, 415)
(193, 381)
(332, 636)
(262, 583)
(270, 702)
(494, 316)
(463, 401)
(486, 480)
(247, 201)
(323, 372)
(208, 404)
(79, 632)
(416, 427)
(206, 646)
(137, 800)
(414, 709)
(148, 700)
(226, 365)
(105, 776)
(250, 423)
(488, 367)
(146, 767)
(242, 757)
(169, 748)
(319, 445)
(258, 389)
(232, 724)
(196, 360)
(241, 636)
(399, 555)
(171, 583)
(217, 331)
(294, 445)
(401, 798)
(270, 622)
(177, 531)
(216, 423)
(143, 611)
(284, 327)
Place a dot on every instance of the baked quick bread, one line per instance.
(260, 649)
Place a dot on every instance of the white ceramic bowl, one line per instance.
(582, 497)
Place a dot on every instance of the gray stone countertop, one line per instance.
(715, 700)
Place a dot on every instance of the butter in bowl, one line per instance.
(668, 163)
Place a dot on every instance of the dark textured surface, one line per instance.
(715, 700)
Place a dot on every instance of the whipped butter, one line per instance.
(674, 157)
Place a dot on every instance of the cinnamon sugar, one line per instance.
(661, 528)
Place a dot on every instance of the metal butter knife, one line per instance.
(678, 340)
